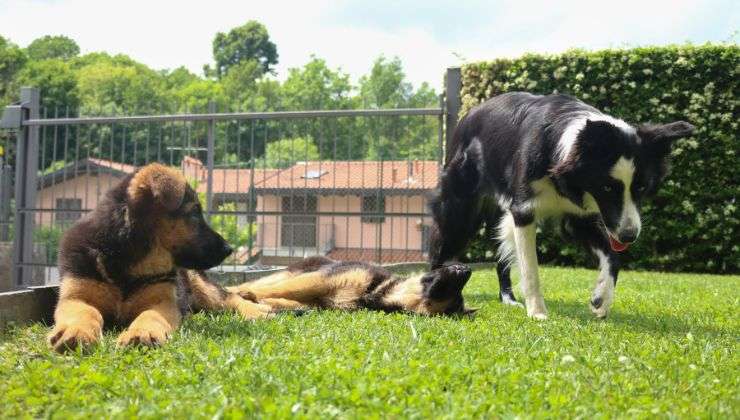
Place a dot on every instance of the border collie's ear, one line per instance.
(589, 141)
(660, 136)
(157, 185)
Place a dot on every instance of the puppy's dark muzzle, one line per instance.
(458, 271)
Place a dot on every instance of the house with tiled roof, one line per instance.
(317, 205)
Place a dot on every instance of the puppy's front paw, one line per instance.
(64, 337)
(147, 333)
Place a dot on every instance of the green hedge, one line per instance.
(692, 224)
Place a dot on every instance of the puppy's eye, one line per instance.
(608, 188)
(640, 188)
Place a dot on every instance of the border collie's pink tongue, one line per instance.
(616, 245)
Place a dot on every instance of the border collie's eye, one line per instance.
(640, 189)
(608, 188)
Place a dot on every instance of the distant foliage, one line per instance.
(53, 47)
(286, 152)
(247, 42)
(692, 224)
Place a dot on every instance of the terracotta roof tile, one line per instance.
(371, 255)
(405, 175)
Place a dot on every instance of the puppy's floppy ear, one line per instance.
(158, 186)
(658, 137)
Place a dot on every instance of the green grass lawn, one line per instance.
(669, 348)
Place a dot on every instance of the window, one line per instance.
(373, 203)
(68, 217)
(298, 230)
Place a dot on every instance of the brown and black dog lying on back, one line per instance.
(319, 282)
(134, 261)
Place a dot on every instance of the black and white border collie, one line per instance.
(520, 158)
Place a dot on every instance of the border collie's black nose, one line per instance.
(628, 236)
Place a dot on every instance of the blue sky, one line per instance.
(428, 36)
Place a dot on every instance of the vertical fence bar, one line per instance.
(5, 196)
(209, 159)
(453, 86)
(25, 189)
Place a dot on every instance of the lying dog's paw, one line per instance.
(143, 333)
(70, 336)
(251, 310)
(247, 295)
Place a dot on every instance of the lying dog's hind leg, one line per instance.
(206, 295)
(279, 304)
(306, 287)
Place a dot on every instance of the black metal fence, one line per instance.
(350, 184)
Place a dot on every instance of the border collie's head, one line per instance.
(614, 166)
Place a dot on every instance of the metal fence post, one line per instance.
(453, 103)
(209, 159)
(25, 189)
(5, 196)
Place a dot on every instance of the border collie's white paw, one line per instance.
(539, 316)
(600, 312)
(507, 300)
(536, 308)
(600, 304)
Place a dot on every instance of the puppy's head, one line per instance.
(613, 167)
(442, 290)
(160, 199)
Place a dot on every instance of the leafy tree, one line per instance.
(177, 78)
(227, 225)
(385, 86)
(52, 47)
(285, 153)
(247, 42)
(119, 85)
(240, 80)
(196, 95)
(401, 137)
(57, 84)
(316, 86)
(12, 60)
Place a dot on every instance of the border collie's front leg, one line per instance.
(525, 238)
(603, 294)
(588, 232)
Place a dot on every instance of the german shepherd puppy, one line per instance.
(126, 262)
(319, 282)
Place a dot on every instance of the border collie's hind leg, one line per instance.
(496, 228)
(505, 292)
